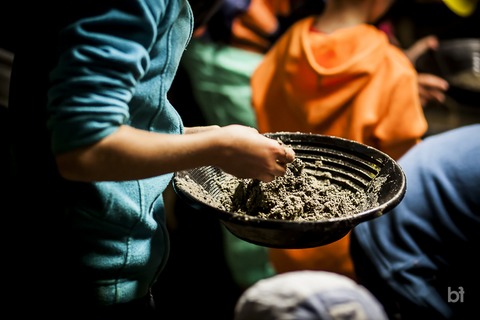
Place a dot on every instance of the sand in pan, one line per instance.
(297, 196)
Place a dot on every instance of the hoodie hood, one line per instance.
(343, 84)
(333, 67)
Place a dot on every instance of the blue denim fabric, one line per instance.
(424, 251)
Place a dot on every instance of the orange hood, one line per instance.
(352, 83)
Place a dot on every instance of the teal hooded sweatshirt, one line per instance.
(83, 69)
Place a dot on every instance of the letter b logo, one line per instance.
(455, 296)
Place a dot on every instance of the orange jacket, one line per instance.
(352, 83)
(333, 257)
(254, 25)
(253, 29)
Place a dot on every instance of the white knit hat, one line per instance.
(308, 295)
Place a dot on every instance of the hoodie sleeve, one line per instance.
(403, 122)
(103, 55)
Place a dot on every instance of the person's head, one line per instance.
(372, 10)
(378, 9)
(308, 295)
